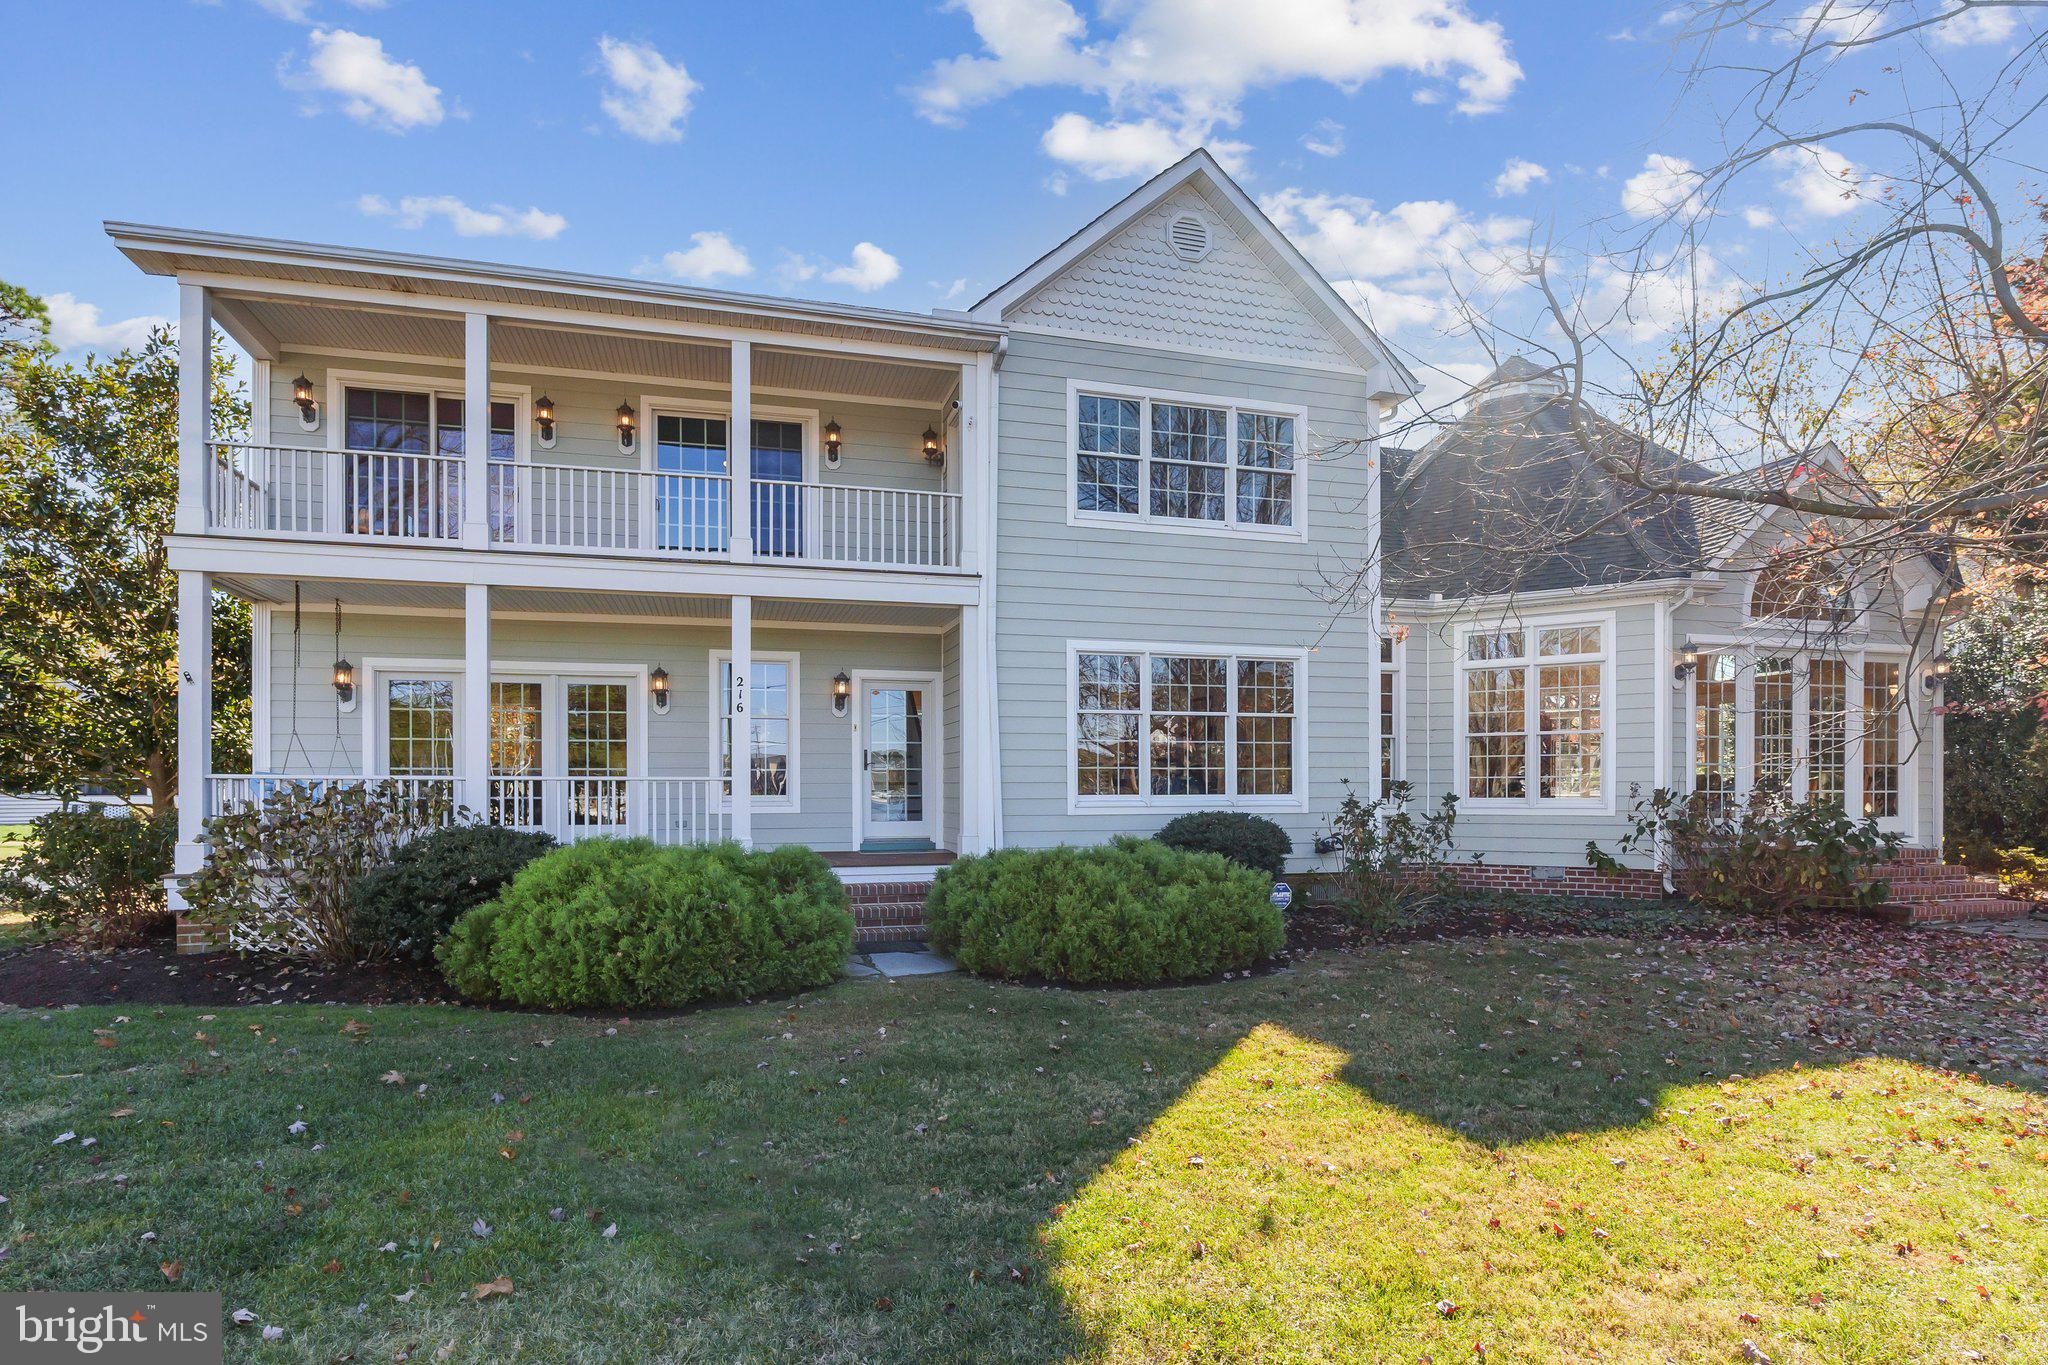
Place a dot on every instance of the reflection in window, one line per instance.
(768, 727)
(419, 727)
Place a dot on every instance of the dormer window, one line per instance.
(1801, 588)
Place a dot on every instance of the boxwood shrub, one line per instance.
(624, 922)
(406, 906)
(1252, 840)
(1131, 912)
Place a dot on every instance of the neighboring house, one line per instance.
(19, 810)
(1092, 553)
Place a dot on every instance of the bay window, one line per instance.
(1168, 462)
(1534, 703)
(1183, 727)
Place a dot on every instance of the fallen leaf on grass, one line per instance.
(172, 1270)
(392, 1078)
(501, 1285)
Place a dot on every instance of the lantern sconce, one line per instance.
(544, 421)
(934, 453)
(842, 692)
(1937, 673)
(834, 438)
(345, 684)
(627, 421)
(1688, 662)
(657, 684)
(309, 409)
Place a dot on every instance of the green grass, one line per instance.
(13, 838)
(1549, 1135)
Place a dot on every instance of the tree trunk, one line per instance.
(162, 782)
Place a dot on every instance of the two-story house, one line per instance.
(607, 556)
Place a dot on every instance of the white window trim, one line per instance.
(434, 386)
(1534, 803)
(1144, 800)
(933, 682)
(554, 706)
(1398, 668)
(669, 405)
(1143, 518)
(779, 805)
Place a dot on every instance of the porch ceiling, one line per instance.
(437, 337)
(317, 597)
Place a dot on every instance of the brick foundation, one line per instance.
(887, 910)
(194, 937)
(1583, 882)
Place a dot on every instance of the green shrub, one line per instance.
(1395, 862)
(91, 875)
(623, 922)
(407, 906)
(1133, 911)
(1250, 840)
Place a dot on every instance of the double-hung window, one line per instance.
(769, 727)
(1534, 704)
(1173, 462)
(1171, 727)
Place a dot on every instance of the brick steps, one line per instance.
(887, 910)
(1925, 888)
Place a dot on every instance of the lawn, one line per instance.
(1533, 1148)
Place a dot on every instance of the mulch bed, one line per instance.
(51, 976)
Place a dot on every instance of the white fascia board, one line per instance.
(1614, 594)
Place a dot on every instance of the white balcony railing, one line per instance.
(668, 810)
(301, 493)
(228, 792)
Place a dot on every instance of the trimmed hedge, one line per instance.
(407, 906)
(1130, 912)
(1251, 840)
(624, 922)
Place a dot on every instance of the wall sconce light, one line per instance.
(309, 410)
(544, 419)
(627, 420)
(345, 683)
(833, 440)
(842, 692)
(1688, 661)
(1937, 673)
(657, 684)
(933, 451)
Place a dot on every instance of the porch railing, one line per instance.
(668, 810)
(303, 493)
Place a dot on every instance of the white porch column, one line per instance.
(740, 457)
(742, 722)
(968, 467)
(974, 836)
(476, 430)
(473, 721)
(195, 406)
(195, 725)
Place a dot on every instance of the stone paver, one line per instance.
(924, 963)
(2033, 928)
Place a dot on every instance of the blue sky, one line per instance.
(907, 155)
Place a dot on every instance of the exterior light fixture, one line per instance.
(933, 451)
(833, 440)
(627, 420)
(1937, 673)
(657, 684)
(1688, 661)
(544, 418)
(842, 692)
(309, 409)
(345, 681)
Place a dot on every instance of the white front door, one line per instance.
(896, 738)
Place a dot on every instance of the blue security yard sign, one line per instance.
(1283, 895)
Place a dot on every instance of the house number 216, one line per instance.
(739, 694)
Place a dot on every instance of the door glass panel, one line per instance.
(1881, 697)
(419, 727)
(778, 472)
(1713, 728)
(516, 736)
(895, 755)
(1827, 730)
(1773, 726)
(597, 753)
(690, 485)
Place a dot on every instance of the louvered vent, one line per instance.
(1188, 235)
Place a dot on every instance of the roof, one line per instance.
(1201, 170)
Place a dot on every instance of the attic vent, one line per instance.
(1188, 235)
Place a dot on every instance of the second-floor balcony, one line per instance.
(400, 496)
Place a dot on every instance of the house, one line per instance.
(1097, 551)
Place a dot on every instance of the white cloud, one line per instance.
(1325, 139)
(1517, 176)
(1649, 302)
(76, 325)
(646, 94)
(1821, 181)
(1833, 21)
(870, 269)
(1110, 151)
(297, 11)
(1664, 185)
(948, 292)
(1975, 26)
(710, 256)
(1757, 216)
(373, 86)
(498, 220)
(1187, 66)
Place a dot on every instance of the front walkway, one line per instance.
(898, 959)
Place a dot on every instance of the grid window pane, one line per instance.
(1106, 462)
(1881, 700)
(1265, 727)
(1568, 715)
(1560, 641)
(1827, 730)
(1189, 448)
(1496, 644)
(1713, 729)
(596, 722)
(1106, 753)
(1773, 746)
(690, 492)
(1190, 705)
(1265, 477)
(768, 728)
(1496, 741)
(516, 749)
(386, 420)
(1390, 734)
(419, 727)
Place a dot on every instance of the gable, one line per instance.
(1134, 287)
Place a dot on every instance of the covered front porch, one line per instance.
(588, 714)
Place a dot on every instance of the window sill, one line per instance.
(1185, 527)
(1088, 805)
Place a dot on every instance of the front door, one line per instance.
(897, 743)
